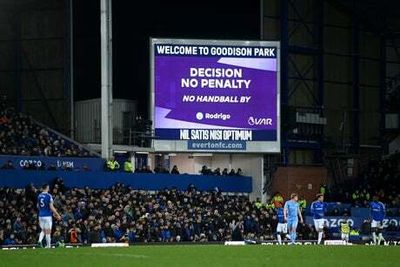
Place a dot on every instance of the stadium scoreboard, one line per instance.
(215, 95)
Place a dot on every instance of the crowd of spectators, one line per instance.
(121, 214)
(381, 178)
(207, 171)
(113, 165)
(20, 135)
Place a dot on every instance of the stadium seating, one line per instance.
(381, 178)
(22, 135)
(119, 214)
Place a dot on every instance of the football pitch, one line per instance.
(205, 256)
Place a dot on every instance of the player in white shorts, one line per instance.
(318, 208)
(281, 228)
(378, 213)
(46, 210)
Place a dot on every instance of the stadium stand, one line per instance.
(22, 135)
(381, 178)
(120, 214)
(123, 214)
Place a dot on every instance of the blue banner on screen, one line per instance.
(216, 145)
(210, 92)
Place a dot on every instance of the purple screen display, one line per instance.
(233, 89)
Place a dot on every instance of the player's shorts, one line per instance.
(345, 236)
(45, 222)
(281, 228)
(319, 224)
(292, 224)
(376, 224)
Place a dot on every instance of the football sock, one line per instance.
(380, 238)
(41, 236)
(48, 241)
(374, 237)
(319, 237)
(279, 239)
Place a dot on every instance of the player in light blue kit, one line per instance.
(378, 213)
(292, 213)
(46, 210)
(318, 208)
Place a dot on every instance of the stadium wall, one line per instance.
(33, 65)
(140, 181)
(328, 36)
(88, 119)
(305, 181)
(394, 146)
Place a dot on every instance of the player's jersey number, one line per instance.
(41, 202)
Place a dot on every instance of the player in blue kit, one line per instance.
(46, 210)
(282, 226)
(292, 213)
(378, 213)
(318, 208)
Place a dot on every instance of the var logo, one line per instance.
(259, 121)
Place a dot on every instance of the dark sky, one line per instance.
(132, 27)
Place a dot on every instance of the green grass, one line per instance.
(205, 256)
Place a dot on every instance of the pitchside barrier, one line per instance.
(356, 221)
(227, 243)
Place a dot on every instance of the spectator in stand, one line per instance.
(232, 172)
(302, 203)
(205, 171)
(217, 171)
(175, 170)
(112, 164)
(277, 200)
(158, 169)
(239, 172)
(322, 189)
(94, 234)
(29, 165)
(9, 241)
(225, 172)
(119, 234)
(74, 233)
(128, 166)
